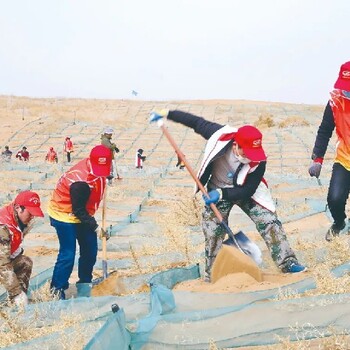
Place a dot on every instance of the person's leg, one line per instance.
(87, 240)
(214, 233)
(338, 194)
(66, 233)
(22, 266)
(271, 230)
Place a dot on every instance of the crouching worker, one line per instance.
(232, 168)
(15, 223)
(72, 207)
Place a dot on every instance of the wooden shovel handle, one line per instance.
(199, 184)
(104, 209)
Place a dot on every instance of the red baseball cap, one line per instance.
(101, 160)
(249, 138)
(31, 201)
(343, 81)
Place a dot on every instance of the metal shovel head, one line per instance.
(248, 247)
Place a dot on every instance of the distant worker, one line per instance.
(51, 156)
(72, 207)
(336, 116)
(68, 148)
(6, 154)
(106, 140)
(15, 223)
(23, 154)
(139, 159)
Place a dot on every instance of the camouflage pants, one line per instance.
(266, 222)
(15, 278)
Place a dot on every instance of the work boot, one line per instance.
(292, 266)
(334, 231)
(58, 293)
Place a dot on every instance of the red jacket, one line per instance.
(7, 217)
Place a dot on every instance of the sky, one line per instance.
(265, 50)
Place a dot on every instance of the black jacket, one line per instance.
(206, 129)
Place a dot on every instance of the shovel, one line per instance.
(241, 241)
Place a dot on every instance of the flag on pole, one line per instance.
(134, 93)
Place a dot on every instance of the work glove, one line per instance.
(158, 116)
(20, 300)
(213, 197)
(315, 167)
(104, 232)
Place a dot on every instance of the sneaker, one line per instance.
(293, 267)
(334, 231)
(58, 293)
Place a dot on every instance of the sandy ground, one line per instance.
(289, 132)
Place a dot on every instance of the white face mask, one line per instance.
(243, 160)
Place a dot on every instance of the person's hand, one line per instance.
(212, 197)
(104, 233)
(21, 300)
(157, 116)
(315, 167)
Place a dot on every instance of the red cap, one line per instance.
(101, 160)
(343, 81)
(249, 138)
(31, 201)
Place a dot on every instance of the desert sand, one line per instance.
(154, 213)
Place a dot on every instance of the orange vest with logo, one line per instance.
(7, 217)
(60, 206)
(340, 105)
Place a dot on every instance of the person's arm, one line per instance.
(324, 133)
(249, 187)
(79, 194)
(200, 125)
(8, 278)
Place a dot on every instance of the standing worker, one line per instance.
(6, 154)
(68, 148)
(233, 167)
(51, 156)
(139, 159)
(15, 223)
(23, 154)
(336, 115)
(106, 138)
(72, 207)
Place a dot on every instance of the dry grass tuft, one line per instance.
(293, 121)
(265, 120)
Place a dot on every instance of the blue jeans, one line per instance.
(68, 234)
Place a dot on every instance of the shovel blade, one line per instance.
(248, 247)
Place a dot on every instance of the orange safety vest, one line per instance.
(51, 156)
(7, 217)
(340, 105)
(68, 146)
(60, 205)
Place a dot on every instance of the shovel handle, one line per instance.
(199, 184)
(104, 239)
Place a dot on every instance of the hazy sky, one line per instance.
(270, 50)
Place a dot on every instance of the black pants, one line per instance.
(338, 193)
(68, 157)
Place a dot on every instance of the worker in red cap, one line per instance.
(233, 169)
(336, 116)
(73, 204)
(15, 223)
(68, 148)
(51, 156)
